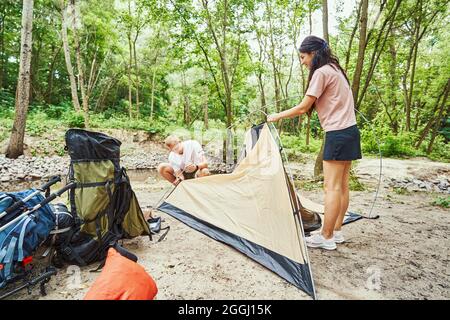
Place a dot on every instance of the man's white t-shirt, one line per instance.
(192, 153)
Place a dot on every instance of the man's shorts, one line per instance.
(189, 175)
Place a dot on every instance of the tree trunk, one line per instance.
(3, 58)
(392, 88)
(378, 49)
(15, 147)
(205, 112)
(130, 61)
(259, 70)
(440, 116)
(130, 97)
(273, 62)
(262, 93)
(35, 53)
(152, 103)
(186, 103)
(303, 88)
(308, 129)
(65, 40)
(137, 77)
(352, 36)
(310, 19)
(187, 110)
(325, 20)
(50, 77)
(222, 52)
(225, 67)
(80, 69)
(361, 50)
(318, 166)
(432, 119)
(101, 99)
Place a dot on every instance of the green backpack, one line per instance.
(103, 204)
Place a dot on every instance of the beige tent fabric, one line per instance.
(252, 202)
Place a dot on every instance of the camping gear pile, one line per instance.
(103, 210)
(26, 221)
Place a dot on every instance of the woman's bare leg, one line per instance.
(345, 198)
(333, 172)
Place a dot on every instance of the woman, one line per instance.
(330, 94)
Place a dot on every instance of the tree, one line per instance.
(65, 40)
(15, 147)
(80, 66)
(361, 49)
(325, 20)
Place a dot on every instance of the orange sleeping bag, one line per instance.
(122, 279)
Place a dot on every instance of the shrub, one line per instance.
(74, 119)
(443, 202)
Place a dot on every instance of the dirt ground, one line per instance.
(405, 254)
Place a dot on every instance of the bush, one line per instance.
(74, 119)
(440, 151)
(124, 122)
(380, 136)
(443, 202)
(295, 145)
(57, 112)
(6, 105)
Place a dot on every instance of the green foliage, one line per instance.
(308, 185)
(123, 122)
(354, 183)
(442, 201)
(74, 119)
(295, 145)
(440, 151)
(5, 128)
(401, 191)
(179, 67)
(6, 104)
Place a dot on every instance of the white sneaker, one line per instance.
(318, 241)
(337, 235)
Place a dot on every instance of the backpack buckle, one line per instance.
(67, 251)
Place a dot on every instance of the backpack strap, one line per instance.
(8, 260)
(22, 236)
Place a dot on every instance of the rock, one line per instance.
(5, 178)
(21, 176)
(443, 185)
(36, 175)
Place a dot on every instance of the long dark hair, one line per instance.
(323, 56)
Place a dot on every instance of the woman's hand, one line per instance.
(273, 117)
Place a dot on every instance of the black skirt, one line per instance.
(343, 145)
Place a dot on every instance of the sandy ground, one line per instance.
(405, 254)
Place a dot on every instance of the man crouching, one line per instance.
(186, 160)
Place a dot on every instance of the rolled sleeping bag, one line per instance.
(122, 279)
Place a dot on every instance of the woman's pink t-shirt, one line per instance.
(334, 104)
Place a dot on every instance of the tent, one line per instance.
(254, 209)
